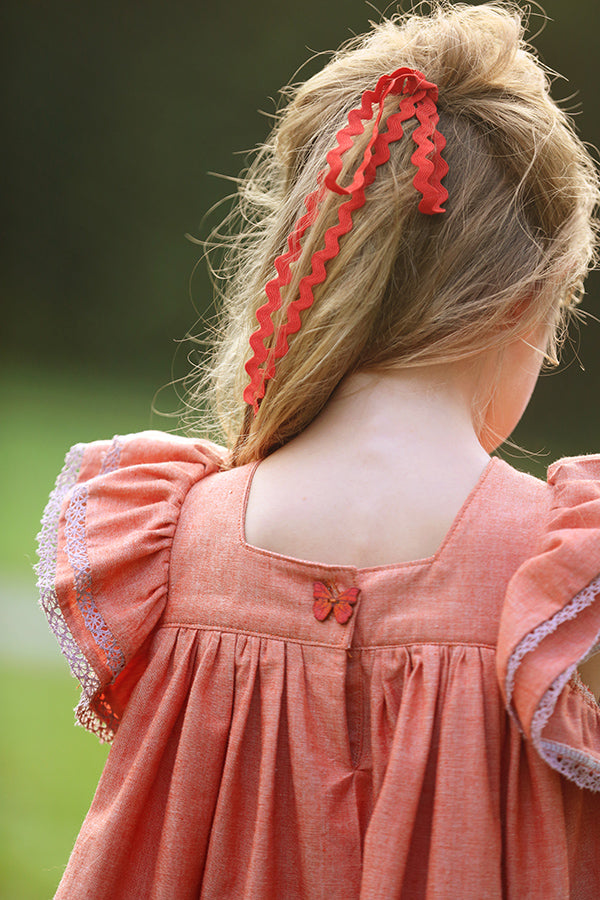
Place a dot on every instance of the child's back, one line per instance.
(378, 478)
(339, 659)
(293, 729)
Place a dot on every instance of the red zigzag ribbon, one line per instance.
(418, 98)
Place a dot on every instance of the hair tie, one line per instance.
(418, 99)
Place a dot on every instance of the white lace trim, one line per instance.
(76, 542)
(112, 457)
(532, 640)
(573, 764)
(76, 552)
(578, 766)
(46, 571)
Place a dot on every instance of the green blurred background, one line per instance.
(115, 113)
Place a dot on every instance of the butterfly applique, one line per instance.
(327, 598)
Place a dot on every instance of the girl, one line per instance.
(340, 658)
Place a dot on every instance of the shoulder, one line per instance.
(504, 522)
(104, 547)
(568, 498)
(571, 482)
(520, 493)
(551, 621)
(129, 472)
(144, 448)
(575, 479)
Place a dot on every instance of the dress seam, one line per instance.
(353, 648)
(360, 571)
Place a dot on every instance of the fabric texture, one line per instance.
(288, 729)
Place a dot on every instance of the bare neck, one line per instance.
(400, 415)
(377, 478)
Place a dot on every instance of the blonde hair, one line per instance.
(407, 289)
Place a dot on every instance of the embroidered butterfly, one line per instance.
(327, 598)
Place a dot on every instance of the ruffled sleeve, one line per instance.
(104, 550)
(551, 623)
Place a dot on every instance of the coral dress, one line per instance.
(288, 730)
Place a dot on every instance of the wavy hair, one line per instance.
(406, 289)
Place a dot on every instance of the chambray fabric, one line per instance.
(260, 753)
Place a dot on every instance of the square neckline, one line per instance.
(345, 567)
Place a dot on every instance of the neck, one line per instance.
(395, 414)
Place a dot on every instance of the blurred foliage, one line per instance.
(116, 114)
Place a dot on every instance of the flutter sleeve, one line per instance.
(104, 550)
(551, 623)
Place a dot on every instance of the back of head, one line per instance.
(408, 289)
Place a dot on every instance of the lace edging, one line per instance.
(112, 457)
(82, 576)
(573, 764)
(46, 570)
(579, 767)
(532, 640)
(47, 551)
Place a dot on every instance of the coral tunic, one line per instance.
(291, 730)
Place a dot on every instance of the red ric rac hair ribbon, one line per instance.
(418, 98)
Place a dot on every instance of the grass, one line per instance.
(48, 774)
